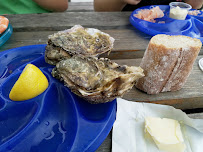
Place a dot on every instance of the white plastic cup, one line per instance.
(179, 10)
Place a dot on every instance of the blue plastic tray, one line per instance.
(56, 120)
(192, 26)
(6, 35)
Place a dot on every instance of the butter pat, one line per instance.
(166, 133)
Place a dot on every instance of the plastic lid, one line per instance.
(181, 5)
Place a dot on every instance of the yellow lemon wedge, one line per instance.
(30, 84)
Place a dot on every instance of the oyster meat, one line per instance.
(96, 80)
(77, 40)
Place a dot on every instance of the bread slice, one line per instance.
(167, 62)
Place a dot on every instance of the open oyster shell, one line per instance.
(77, 40)
(96, 80)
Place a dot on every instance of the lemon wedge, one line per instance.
(30, 84)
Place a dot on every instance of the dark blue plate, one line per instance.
(192, 26)
(55, 121)
(199, 16)
(6, 35)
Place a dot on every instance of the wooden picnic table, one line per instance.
(129, 47)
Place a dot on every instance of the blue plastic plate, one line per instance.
(192, 26)
(199, 16)
(6, 34)
(55, 121)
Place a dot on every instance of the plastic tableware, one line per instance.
(191, 26)
(6, 35)
(55, 121)
(199, 16)
(179, 10)
(201, 64)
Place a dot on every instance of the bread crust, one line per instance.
(166, 69)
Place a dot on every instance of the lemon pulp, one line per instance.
(30, 84)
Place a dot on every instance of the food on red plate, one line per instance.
(150, 14)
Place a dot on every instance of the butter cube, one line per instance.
(166, 133)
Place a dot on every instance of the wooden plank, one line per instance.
(106, 145)
(60, 21)
(80, 7)
(189, 97)
(129, 44)
(126, 41)
(196, 115)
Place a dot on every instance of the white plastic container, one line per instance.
(179, 10)
(201, 64)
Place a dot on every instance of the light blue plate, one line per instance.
(6, 35)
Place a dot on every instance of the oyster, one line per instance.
(77, 40)
(96, 80)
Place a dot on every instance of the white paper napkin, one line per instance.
(128, 129)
